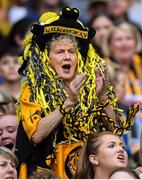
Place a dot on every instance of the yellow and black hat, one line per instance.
(66, 23)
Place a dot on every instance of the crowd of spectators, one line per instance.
(118, 40)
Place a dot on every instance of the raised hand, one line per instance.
(102, 83)
(73, 91)
(75, 86)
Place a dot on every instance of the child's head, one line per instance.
(9, 64)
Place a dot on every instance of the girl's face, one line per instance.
(122, 46)
(9, 68)
(111, 154)
(63, 57)
(8, 131)
(102, 24)
(7, 168)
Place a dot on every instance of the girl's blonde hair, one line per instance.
(125, 27)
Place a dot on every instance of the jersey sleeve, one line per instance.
(29, 112)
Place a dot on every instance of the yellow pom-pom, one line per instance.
(20, 60)
(48, 17)
(68, 9)
(27, 40)
(27, 52)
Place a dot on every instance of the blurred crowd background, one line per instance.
(118, 40)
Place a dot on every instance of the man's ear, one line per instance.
(93, 159)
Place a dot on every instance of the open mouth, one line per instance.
(66, 67)
(11, 177)
(9, 145)
(121, 157)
